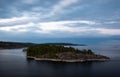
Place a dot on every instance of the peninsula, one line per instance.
(62, 53)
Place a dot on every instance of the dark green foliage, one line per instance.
(52, 50)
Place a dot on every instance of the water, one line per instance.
(13, 63)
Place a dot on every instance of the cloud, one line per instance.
(112, 22)
(60, 18)
(14, 21)
(70, 22)
(17, 28)
(17, 23)
(109, 31)
(60, 6)
(29, 1)
(63, 4)
(59, 27)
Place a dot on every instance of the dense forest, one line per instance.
(52, 50)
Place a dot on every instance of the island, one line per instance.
(60, 53)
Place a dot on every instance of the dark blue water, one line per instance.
(13, 63)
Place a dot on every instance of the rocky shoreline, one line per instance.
(66, 60)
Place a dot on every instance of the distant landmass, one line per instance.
(14, 45)
(62, 53)
(64, 44)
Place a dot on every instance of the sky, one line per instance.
(77, 21)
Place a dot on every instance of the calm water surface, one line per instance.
(13, 63)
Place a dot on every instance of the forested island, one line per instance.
(62, 53)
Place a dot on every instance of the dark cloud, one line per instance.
(16, 8)
(95, 9)
(87, 8)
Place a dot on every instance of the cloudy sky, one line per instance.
(80, 21)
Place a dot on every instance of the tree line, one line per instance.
(38, 50)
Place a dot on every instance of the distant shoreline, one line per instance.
(15, 45)
(65, 60)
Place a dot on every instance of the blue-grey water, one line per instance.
(13, 63)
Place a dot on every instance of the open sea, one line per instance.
(13, 63)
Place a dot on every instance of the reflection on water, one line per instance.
(13, 63)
